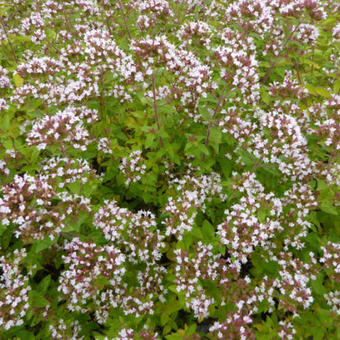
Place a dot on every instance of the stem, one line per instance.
(256, 166)
(50, 45)
(5, 52)
(334, 155)
(65, 234)
(101, 100)
(124, 18)
(279, 55)
(67, 23)
(155, 108)
(313, 53)
(106, 18)
(298, 72)
(220, 99)
(9, 43)
(313, 59)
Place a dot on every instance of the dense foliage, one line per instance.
(169, 169)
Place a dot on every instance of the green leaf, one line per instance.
(265, 97)
(317, 285)
(313, 241)
(176, 336)
(25, 335)
(43, 244)
(328, 208)
(261, 215)
(196, 232)
(37, 300)
(18, 81)
(6, 122)
(2, 228)
(226, 167)
(325, 317)
(318, 333)
(4, 9)
(173, 288)
(337, 86)
(321, 91)
(164, 318)
(215, 138)
(150, 140)
(208, 231)
(167, 329)
(75, 187)
(188, 240)
(44, 284)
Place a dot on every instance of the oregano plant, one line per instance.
(169, 169)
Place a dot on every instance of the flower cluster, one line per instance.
(3, 168)
(136, 236)
(238, 64)
(88, 268)
(151, 12)
(60, 171)
(14, 289)
(4, 80)
(132, 167)
(197, 32)
(135, 233)
(288, 88)
(65, 127)
(104, 145)
(30, 203)
(126, 334)
(192, 193)
(192, 77)
(331, 260)
(246, 227)
(292, 283)
(286, 330)
(190, 271)
(333, 300)
(69, 330)
(235, 327)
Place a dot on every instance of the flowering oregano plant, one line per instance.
(169, 169)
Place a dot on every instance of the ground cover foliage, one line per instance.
(169, 169)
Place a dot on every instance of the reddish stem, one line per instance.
(106, 18)
(155, 108)
(124, 18)
(9, 43)
(220, 99)
(298, 72)
(279, 55)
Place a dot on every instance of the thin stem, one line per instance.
(256, 166)
(220, 99)
(313, 53)
(279, 55)
(155, 108)
(298, 72)
(101, 99)
(50, 45)
(9, 42)
(107, 18)
(313, 59)
(67, 235)
(333, 156)
(67, 22)
(124, 18)
(5, 52)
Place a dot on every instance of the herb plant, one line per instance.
(169, 169)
